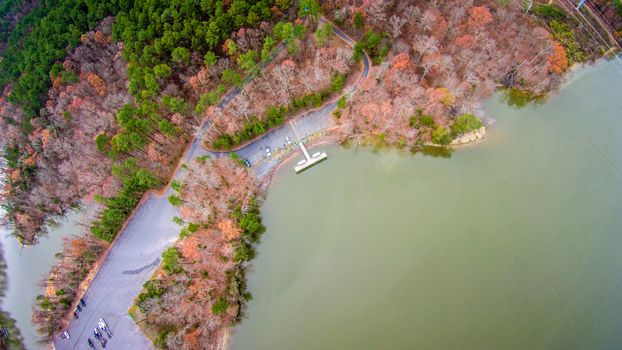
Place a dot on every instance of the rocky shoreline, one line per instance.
(470, 137)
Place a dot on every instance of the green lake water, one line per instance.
(514, 243)
(26, 267)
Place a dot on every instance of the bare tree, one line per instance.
(282, 75)
(412, 13)
(428, 62)
(446, 65)
(424, 44)
(396, 23)
(428, 20)
(242, 103)
(376, 9)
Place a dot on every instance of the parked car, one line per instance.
(100, 337)
(104, 327)
(247, 163)
(268, 153)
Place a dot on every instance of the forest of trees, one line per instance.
(165, 46)
(441, 60)
(128, 139)
(61, 285)
(179, 58)
(200, 287)
(10, 13)
(611, 10)
(31, 62)
(182, 56)
(313, 69)
(50, 176)
(100, 98)
(39, 40)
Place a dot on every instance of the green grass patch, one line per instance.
(549, 12)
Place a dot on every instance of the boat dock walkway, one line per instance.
(309, 160)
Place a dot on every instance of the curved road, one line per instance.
(136, 252)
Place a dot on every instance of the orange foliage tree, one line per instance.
(479, 16)
(97, 83)
(558, 62)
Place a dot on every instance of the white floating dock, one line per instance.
(309, 161)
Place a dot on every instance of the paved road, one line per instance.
(131, 261)
(296, 130)
(136, 252)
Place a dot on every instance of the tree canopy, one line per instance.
(40, 39)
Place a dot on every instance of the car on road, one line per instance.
(288, 141)
(268, 153)
(247, 162)
(104, 327)
(98, 335)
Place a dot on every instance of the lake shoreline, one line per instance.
(331, 137)
(326, 137)
(507, 177)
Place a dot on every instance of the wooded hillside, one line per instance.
(200, 288)
(437, 60)
(139, 110)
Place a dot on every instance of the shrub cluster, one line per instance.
(135, 182)
(252, 228)
(373, 43)
(563, 33)
(465, 123)
(549, 12)
(556, 18)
